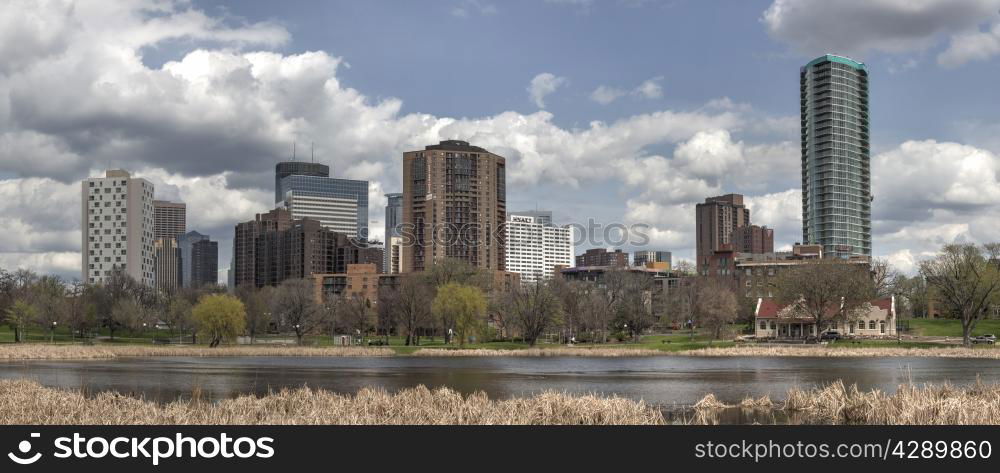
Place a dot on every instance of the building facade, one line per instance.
(340, 205)
(393, 217)
(273, 248)
(454, 206)
(167, 262)
(836, 173)
(602, 257)
(361, 280)
(536, 247)
(169, 219)
(394, 255)
(189, 275)
(876, 319)
(117, 218)
(715, 222)
(204, 263)
(754, 239)
(296, 168)
(646, 257)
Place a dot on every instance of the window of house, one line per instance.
(763, 325)
(871, 325)
(861, 324)
(881, 327)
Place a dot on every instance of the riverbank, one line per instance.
(838, 404)
(27, 402)
(15, 352)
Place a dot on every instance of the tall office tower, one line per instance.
(204, 263)
(199, 259)
(715, 221)
(754, 239)
(836, 173)
(644, 257)
(117, 227)
(340, 205)
(454, 206)
(166, 263)
(535, 246)
(296, 168)
(169, 219)
(393, 217)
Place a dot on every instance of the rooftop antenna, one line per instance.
(312, 151)
(293, 151)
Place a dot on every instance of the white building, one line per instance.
(535, 246)
(395, 256)
(117, 227)
(338, 213)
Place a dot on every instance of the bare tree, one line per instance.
(257, 303)
(631, 300)
(966, 279)
(413, 301)
(825, 290)
(535, 308)
(716, 305)
(884, 277)
(357, 314)
(294, 307)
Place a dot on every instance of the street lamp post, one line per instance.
(52, 333)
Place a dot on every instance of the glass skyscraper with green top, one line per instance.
(836, 159)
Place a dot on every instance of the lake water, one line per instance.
(668, 381)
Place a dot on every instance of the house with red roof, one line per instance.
(875, 320)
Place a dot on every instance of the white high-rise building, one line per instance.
(117, 227)
(535, 246)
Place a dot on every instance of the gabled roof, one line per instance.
(768, 308)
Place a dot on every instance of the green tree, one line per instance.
(965, 278)
(460, 307)
(19, 315)
(220, 317)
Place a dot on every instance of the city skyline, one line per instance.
(671, 132)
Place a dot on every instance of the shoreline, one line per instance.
(27, 402)
(41, 352)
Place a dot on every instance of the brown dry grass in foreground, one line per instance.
(869, 352)
(27, 402)
(567, 351)
(978, 404)
(83, 352)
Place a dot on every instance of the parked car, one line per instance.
(831, 335)
(984, 339)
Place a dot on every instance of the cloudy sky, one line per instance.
(624, 111)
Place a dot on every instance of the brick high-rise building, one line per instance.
(716, 220)
(754, 239)
(245, 251)
(454, 206)
(273, 248)
(117, 227)
(169, 219)
(602, 257)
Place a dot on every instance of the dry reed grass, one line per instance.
(565, 351)
(822, 351)
(82, 352)
(838, 404)
(27, 402)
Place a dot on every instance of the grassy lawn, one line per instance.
(951, 327)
